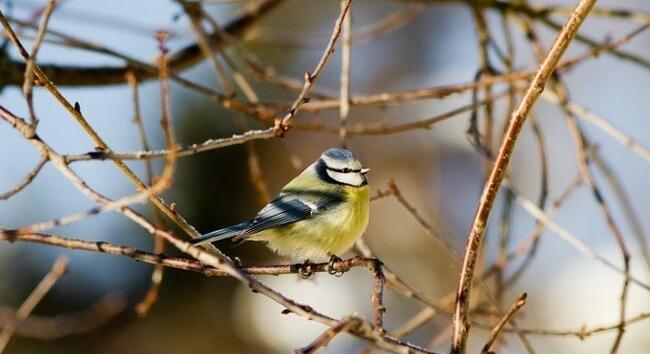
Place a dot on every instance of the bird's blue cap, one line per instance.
(339, 159)
(339, 154)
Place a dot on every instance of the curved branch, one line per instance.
(461, 321)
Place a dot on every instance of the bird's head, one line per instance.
(342, 167)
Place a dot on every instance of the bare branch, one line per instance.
(324, 339)
(346, 49)
(286, 121)
(58, 268)
(207, 145)
(29, 75)
(461, 313)
(180, 60)
(518, 304)
(66, 324)
(26, 181)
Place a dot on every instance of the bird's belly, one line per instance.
(333, 232)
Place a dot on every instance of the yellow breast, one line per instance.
(333, 232)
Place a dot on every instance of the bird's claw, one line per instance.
(306, 270)
(336, 269)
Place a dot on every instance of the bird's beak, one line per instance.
(364, 171)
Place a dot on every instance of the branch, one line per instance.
(375, 268)
(581, 333)
(324, 339)
(602, 124)
(193, 149)
(26, 181)
(461, 314)
(365, 331)
(159, 243)
(571, 239)
(58, 268)
(28, 83)
(521, 301)
(169, 261)
(346, 49)
(286, 121)
(67, 324)
(11, 72)
(212, 144)
(445, 91)
(58, 160)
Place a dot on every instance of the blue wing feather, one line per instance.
(283, 210)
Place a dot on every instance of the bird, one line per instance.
(318, 214)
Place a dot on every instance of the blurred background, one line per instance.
(437, 170)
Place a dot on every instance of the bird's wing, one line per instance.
(291, 206)
(287, 209)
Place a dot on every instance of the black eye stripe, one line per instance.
(343, 170)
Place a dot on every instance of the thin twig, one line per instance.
(530, 244)
(101, 145)
(286, 121)
(58, 268)
(583, 332)
(461, 313)
(143, 307)
(181, 151)
(602, 124)
(215, 259)
(624, 201)
(324, 339)
(392, 22)
(581, 145)
(182, 59)
(571, 239)
(412, 95)
(196, 13)
(140, 68)
(521, 301)
(28, 84)
(26, 180)
(66, 324)
(346, 48)
(385, 129)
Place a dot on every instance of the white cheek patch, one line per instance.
(351, 178)
(341, 164)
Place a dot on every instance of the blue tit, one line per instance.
(319, 214)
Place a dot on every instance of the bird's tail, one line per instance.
(221, 234)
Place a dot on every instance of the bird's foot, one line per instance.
(335, 269)
(306, 270)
